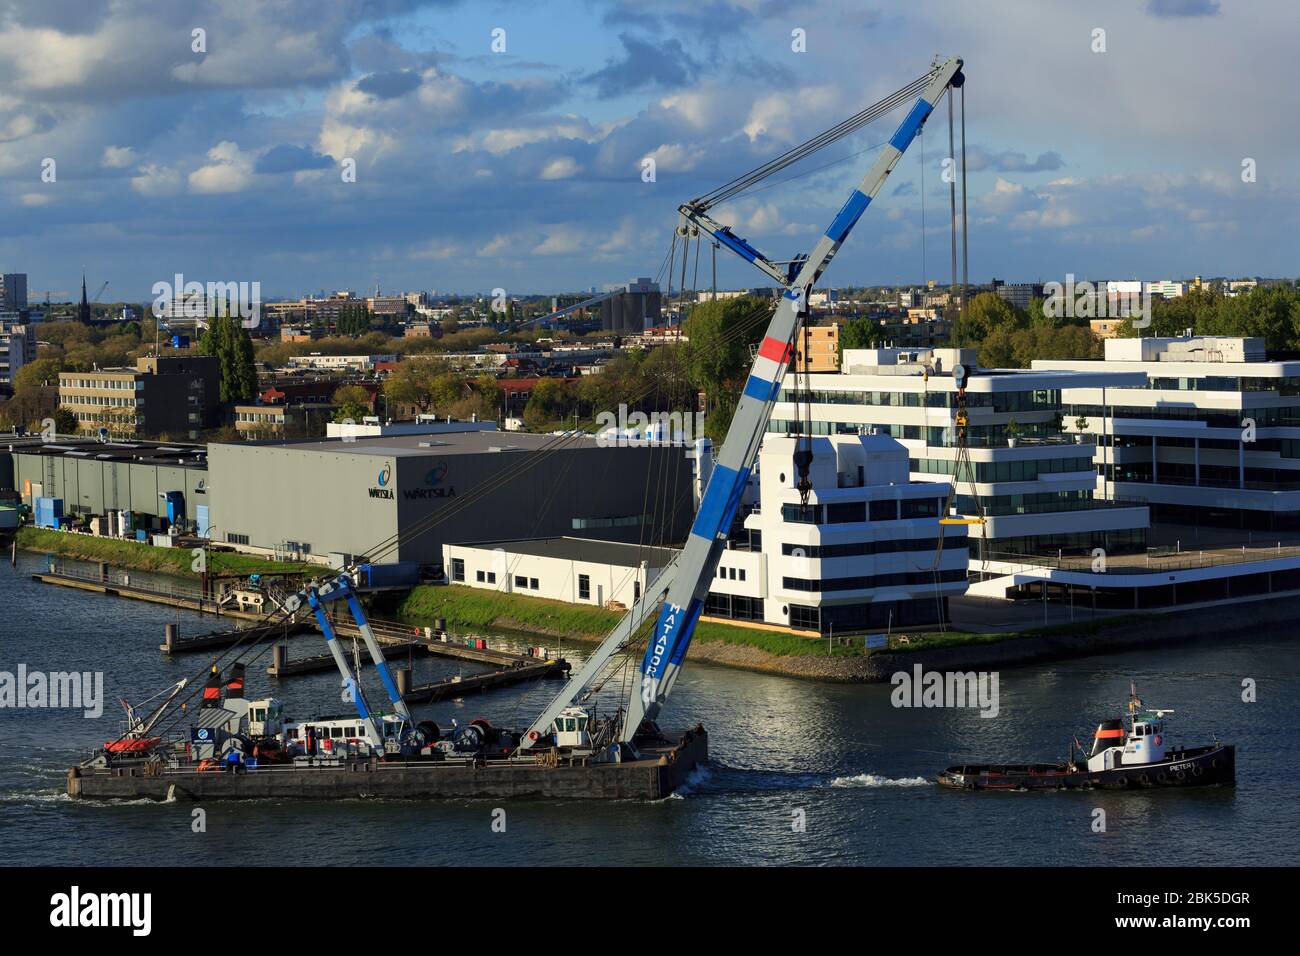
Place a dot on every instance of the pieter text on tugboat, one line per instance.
(1121, 759)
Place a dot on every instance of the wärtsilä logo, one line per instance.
(385, 478)
(433, 485)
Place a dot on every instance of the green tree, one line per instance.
(860, 333)
(353, 403)
(228, 342)
(419, 382)
(65, 421)
(43, 371)
(547, 404)
(720, 335)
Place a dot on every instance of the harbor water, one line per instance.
(800, 773)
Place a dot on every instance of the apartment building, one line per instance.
(1211, 435)
(819, 348)
(866, 552)
(172, 396)
(17, 347)
(1035, 482)
(297, 420)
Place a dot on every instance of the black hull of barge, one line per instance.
(1202, 767)
(662, 770)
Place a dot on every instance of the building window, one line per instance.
(742, 574)
(232, 538)
(921, 508)
(521, 581)
(584, 587)
(479, 576)
(458, 569)
(532, 583)
(884, 510)
(491, 577)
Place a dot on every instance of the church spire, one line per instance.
(83, 310)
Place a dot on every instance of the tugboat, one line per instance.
(1121, 759)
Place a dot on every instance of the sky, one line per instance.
(502, 144)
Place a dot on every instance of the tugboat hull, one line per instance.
(1200, 767)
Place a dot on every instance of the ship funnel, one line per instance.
(235, 682)
(1110, 733)
(212, 690)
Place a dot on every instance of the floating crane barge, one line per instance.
(240, 749)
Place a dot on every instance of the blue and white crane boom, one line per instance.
(684, 584)
(340, 589)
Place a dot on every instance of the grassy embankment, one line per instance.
(465, 607)
(140, 556)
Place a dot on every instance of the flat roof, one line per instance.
(437, 443)
(618, 553)
(179, 454)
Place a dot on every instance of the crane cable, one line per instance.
(851, 125)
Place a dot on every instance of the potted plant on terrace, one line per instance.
(1081, 425)
(1013, 432)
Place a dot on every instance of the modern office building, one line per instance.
(1211, 435)
(13, 291)
(17, 348)
(866, 552)
(1019, 294)
(1034, 480)
(160, 396)
(402, 497)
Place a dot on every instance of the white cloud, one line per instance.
(561, 240)
(36, 199)
(117, 157)
(230, 171)
(562, 167)
(156, 180)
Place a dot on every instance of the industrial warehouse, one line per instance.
(396, 497)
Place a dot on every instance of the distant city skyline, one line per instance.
(1165, 156)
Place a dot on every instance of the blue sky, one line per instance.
(477, 169)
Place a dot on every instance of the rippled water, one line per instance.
(854, 769)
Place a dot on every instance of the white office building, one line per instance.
(1210, 436)
(864, 553)
(610, 574)
(1034, 480)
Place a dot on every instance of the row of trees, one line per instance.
(1271, 313)
(1009, 337)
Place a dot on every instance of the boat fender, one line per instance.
(1144, 779)
(1197, 771)
(1180, 775)
(1215, 763)
(533, 735)
(1161, 777)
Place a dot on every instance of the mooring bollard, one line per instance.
(170, 639)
